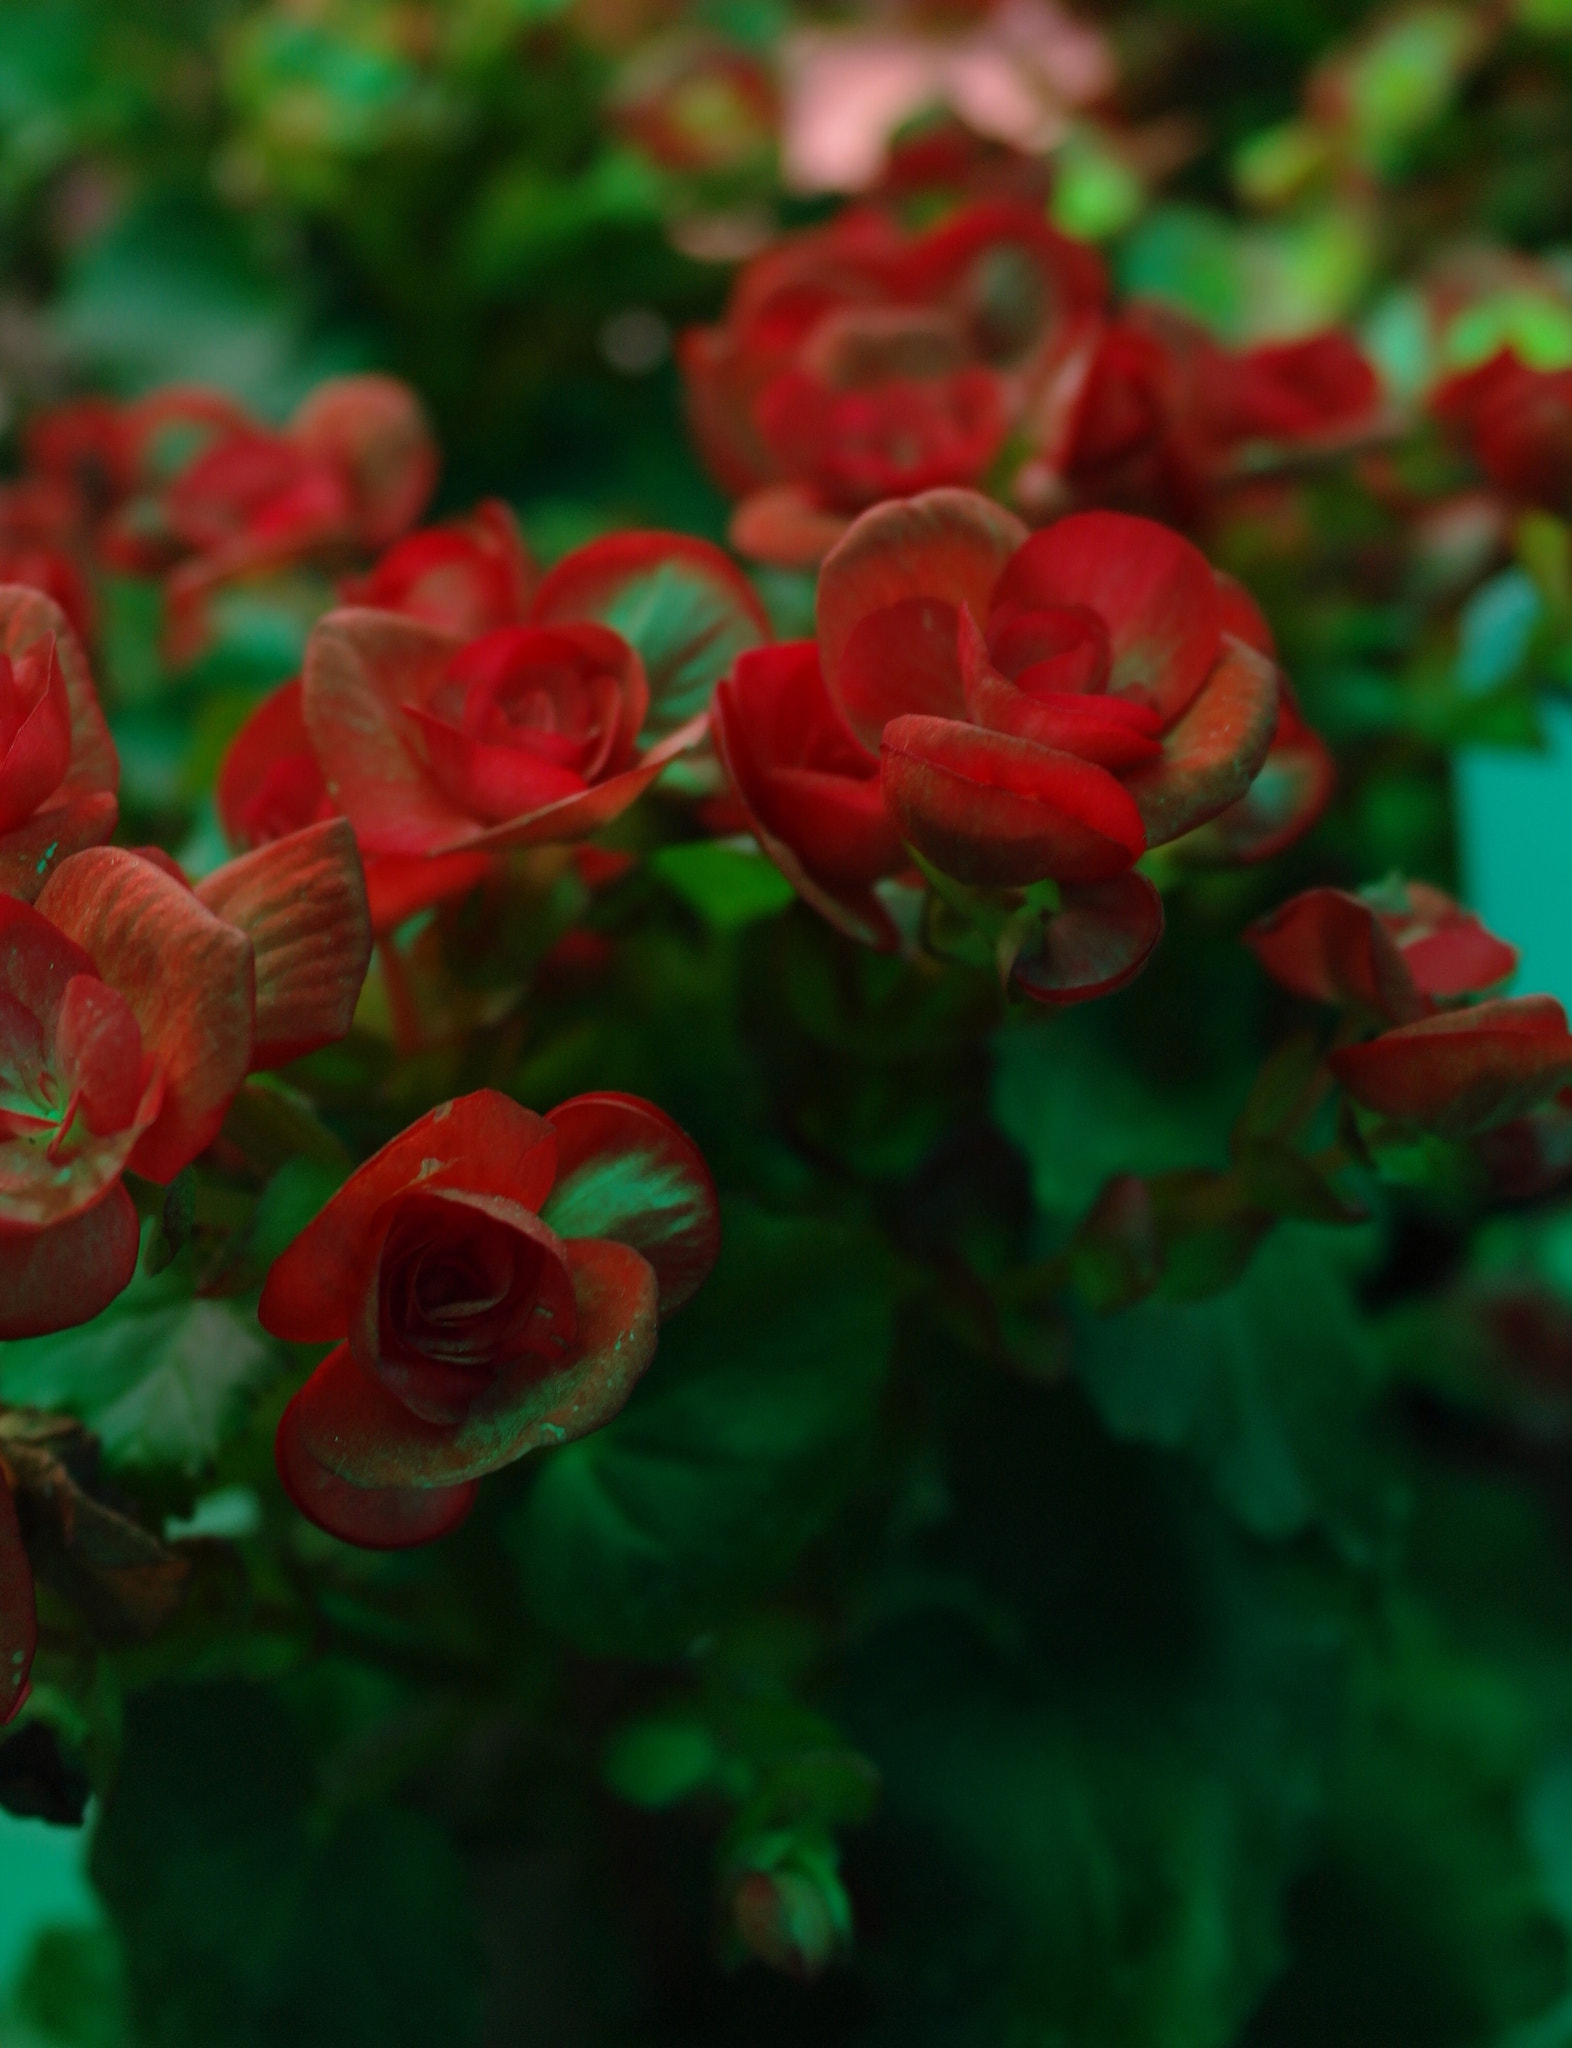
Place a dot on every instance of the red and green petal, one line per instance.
(32, 851)
(625, 1170)
(999, 812)
(1332, 947)
(55, 1278)
(944, 549)
(1215, 751)
(1098, 941)
(483, 1144)
(357, 1430)
(1466, 1070)
(374, 430)
(188, 977)
(373, 1517)
(18, 1611)
(685, 607)
(361, 669)
(1153, 590)
(301, 901)
(1287, 797)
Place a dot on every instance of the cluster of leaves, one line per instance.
(1090, 1564)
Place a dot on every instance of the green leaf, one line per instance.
(251, 1916)
(1267, 1387)
(728, 886)
(162, 1380)
(734, 1453)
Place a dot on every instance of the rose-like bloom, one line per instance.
(1045, 706)
(469, 577)
(434, 745)
(491, 1282)
(1154, 416)
(131, 1009)
(1517, 424)
(809, 788)
(1392, 955)
(692, 102)
(856, 364)
(1408, 956)
(270, 785)
(58, 766)
(204, 494)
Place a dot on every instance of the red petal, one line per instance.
(1465, 1070)
(56, 1278)
(948, 547)
(491, 783)
(35, 763)
(29, 853)
(98, 1053)
(1292, 790)
(483, 1144)
(188, 977)
(1447, 950)
(374, 1517)
(852, 909)
(361, 669)
(1333, 948)
(1154, 591)
(18, 1613)
(272, 742)
(37, 961)
(1115, 732)
(302, 903)
(898, 660)
(1099, 941)
(399, 884)
(352, 1425)
(1000, 812)
(375, 431)
(625, 1170)
(1215, 751)
(576, 817)
(785, 526)
(26, 617)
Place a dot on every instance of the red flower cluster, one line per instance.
(1517, 425)
(857, 363)
(1407, 959)
(1016, 709)
(453, 713)
(492, 1283)
(1152, 415)
(187, 485)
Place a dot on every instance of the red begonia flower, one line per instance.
(1292, 393)
(18, 1611)
(468, 577)
(810, 789)
(270, 785)
(695, 103)
(1046, 706)
(686, 608)
(491, 1281)
(1463, 1071)
(527, 736)
(856, 363)
(1517, 423)
(58, 767)
(131, 1009)
(1391, 954)
(210, 495)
